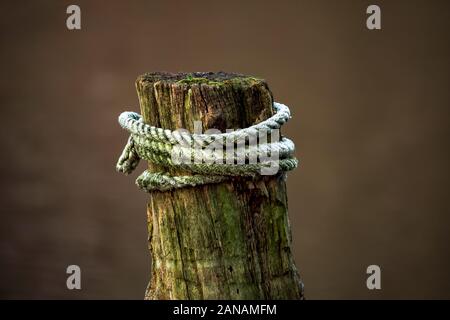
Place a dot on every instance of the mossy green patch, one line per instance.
(240, 81)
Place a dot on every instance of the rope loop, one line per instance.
(208, 158)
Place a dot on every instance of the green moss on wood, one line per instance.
(190, 79)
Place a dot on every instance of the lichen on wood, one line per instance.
(221, 241)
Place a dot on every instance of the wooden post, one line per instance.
(219, 241)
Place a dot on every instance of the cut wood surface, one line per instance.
(219, 241)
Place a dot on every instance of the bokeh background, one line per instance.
(370, 120)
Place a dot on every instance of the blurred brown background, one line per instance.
(371, 111)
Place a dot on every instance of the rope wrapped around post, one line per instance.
(203, 155)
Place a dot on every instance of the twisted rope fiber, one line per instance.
(198, 155)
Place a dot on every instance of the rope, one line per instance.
(203, 155)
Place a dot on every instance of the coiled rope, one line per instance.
(202, 155)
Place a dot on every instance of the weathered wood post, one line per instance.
(230, 240)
